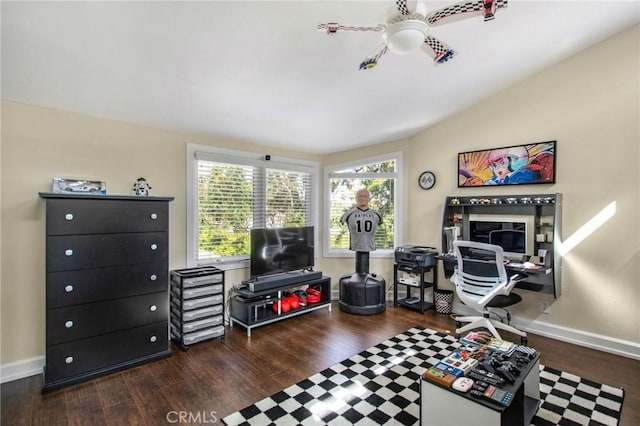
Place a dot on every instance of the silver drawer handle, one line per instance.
(68, 324)
(154, 216)
(153, 308)
(153, 277)
(68, 359)
(154, 246)
(68, 216)
(68, 252)
(68, 288)
(153, 339)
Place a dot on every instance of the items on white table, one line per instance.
(483, 338)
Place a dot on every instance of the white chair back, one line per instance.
(480, 274)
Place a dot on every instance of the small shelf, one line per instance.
(418, 285)
(418, 306)
(254, 309)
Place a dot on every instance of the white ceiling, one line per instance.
(261, 71)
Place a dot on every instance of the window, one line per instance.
(381, 177)
(230, 192)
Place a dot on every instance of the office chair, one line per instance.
(482, 283)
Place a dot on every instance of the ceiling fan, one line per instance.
(405, 31)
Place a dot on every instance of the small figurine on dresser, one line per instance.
(141, 187)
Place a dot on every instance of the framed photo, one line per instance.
(511, 165)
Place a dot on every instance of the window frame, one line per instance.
(398, 203)
(242, 158)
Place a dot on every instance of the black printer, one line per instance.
(419, 256)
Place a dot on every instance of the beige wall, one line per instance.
(40, 143)
(589, 103)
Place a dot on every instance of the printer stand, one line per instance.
(412, 277)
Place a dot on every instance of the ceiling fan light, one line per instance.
(405, 37)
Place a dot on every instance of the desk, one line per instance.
(444, 406)
(539, 278)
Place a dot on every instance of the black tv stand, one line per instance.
(253, 308)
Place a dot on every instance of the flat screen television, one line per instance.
(279, 250)
(513, 233)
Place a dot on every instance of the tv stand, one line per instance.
(253, 309)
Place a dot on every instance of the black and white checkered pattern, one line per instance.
(459, 10)
(570, 398)
(380, 386)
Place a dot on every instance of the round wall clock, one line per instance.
(427, 180)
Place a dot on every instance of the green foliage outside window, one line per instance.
(229, 205)
(382, 196)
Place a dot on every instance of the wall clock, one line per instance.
(427, 180)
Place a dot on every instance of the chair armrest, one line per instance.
(518, 277)
(513, 280)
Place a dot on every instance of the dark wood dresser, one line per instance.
(107, 280)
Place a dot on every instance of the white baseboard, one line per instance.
(598, 342)
(21, 369)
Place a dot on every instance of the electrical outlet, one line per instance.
(545, 307)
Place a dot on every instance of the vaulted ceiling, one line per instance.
(262, 72)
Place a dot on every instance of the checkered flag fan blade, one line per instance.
(372, 60)
(437, 50)
(464, 10)
(403, 8)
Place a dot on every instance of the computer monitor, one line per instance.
(515, 234)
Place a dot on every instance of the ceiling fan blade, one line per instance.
(372, 60)
(439, 51)
(464, 10)
(334, 27)
(403, 7)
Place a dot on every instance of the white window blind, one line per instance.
(237, 193)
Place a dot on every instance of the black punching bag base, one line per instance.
(362, 294)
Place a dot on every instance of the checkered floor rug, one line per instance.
(380, 386)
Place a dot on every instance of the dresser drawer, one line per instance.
(88, 355)
(91, 319)
(91, 285)
(95, 216)
(92, 251)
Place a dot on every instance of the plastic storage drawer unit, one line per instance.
(197, 305)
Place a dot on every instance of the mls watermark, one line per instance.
(199, 417)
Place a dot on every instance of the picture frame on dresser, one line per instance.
(528, 164)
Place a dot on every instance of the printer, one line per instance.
(419, 256)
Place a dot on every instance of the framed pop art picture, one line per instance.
(512, 165)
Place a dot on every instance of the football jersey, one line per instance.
(362, 226)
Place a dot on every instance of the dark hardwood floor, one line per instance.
(215, 378)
